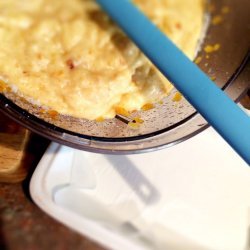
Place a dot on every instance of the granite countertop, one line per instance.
(24, 226)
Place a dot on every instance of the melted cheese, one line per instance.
(70, 57)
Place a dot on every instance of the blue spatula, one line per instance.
(211, 102)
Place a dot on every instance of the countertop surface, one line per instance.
(22, 224)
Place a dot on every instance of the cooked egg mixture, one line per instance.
(68, 56)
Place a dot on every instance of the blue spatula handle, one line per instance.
(211, 102)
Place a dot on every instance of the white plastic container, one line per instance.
(195, 195)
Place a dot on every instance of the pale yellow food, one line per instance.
(67, 56)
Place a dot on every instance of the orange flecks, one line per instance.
(213, 78)
(198, 60)
(147, 107)
(121, 111)
(53, 114)
(217, 20)
(178, 26)
(100, 119)
(212, 48)
(3, 86)
(2, 89)
(70, 64)
(138, 120)
(209, 49)
(42, 111)
(225, 10)
(177, 97)
(8, 89)
(134, 125)
(216, 46)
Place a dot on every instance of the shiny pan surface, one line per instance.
(168, 123)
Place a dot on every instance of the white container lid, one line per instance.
(195, 195)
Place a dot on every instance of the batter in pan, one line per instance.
(68, 56)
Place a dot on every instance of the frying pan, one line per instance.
(168, 123)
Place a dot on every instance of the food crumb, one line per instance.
(198, 60)
(217, 20)
(53, 114)
(225, 10)
(212, 48)
(121, 111)
(177, 97)
(209, 49)
(213, 78)
(42, 111)
(147, 107)
(216, 46)
(138, 120)
(134, 125)
(100, 119)
(3, 86)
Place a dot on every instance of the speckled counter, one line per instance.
(24, 226)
